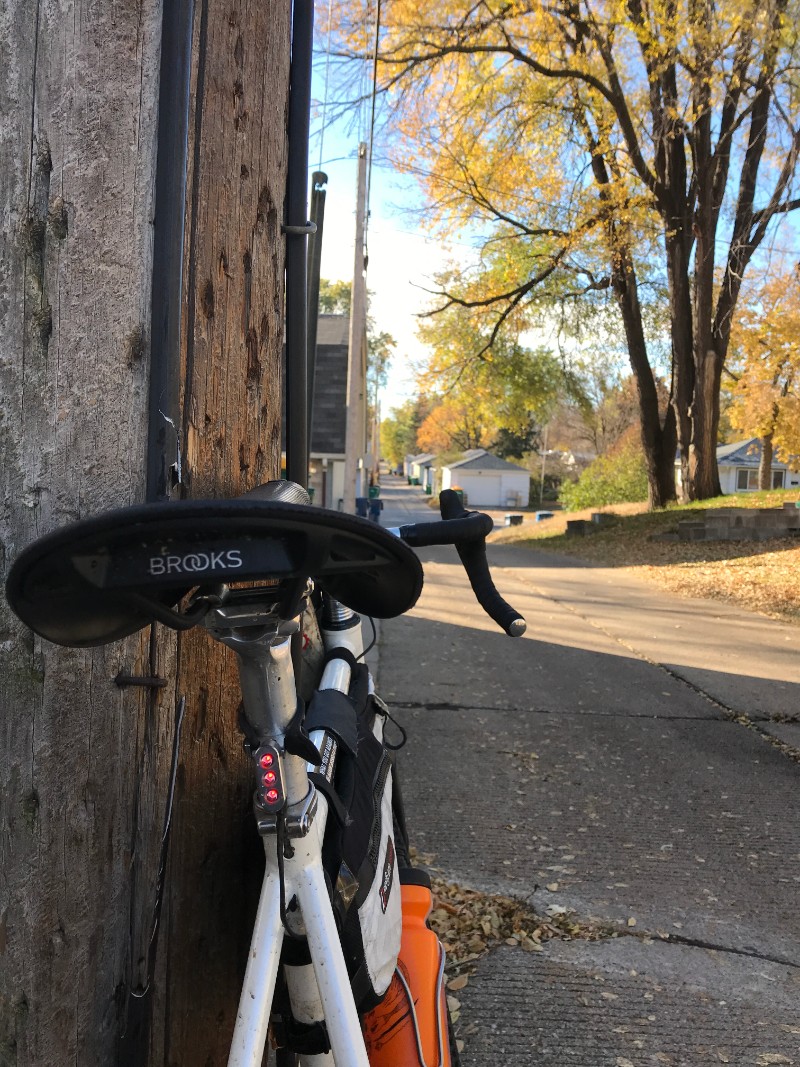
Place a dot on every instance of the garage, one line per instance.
(488, 481)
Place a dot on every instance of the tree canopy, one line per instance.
(765, 345)
(635, 151)
(399, 429)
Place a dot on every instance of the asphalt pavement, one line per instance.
(632, 760)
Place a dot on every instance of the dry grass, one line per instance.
(762, 575)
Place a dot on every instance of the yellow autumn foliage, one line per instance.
(766, 340)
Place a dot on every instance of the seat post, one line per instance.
(267, 680)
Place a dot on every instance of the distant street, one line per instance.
(632, 759)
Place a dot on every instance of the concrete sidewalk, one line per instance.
(621, 761)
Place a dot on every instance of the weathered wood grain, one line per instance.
(83, 764)
(79, 763)
(231, 427)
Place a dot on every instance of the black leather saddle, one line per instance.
(97, 580)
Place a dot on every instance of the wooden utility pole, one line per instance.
(84, 762)
(357, 351)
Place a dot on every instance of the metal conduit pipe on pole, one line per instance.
(163, 445)
(297, 229)
(357, 347)
(318, 182)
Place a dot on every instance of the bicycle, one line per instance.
(331, 983)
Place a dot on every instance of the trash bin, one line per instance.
(362, 506)
(375, 509)
(415, 481)
(374, 491)
(310, 492)
(428, 490)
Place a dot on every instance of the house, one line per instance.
(738, 465)
(329, 415)
(421, 468)
(488, 481)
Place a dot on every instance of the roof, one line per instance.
(481, 460)
(422, 457)
(333, 329)
(744, 454)
(329, 415)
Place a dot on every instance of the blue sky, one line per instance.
(402, 258)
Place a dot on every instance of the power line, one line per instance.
(327, 73)
(373, 97)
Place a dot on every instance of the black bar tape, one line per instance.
(469, 526)
(467, 530)
(473, 556)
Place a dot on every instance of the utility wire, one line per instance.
(327, 74)
(374, 94)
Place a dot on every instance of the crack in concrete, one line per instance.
(697, 942)
(437, 705)
(739, 717)
(564, 925)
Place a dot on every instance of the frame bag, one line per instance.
(360, 857)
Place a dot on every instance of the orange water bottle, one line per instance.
(409, 1028)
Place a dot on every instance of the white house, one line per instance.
(738, 465)
(488, 481)
(421, 467)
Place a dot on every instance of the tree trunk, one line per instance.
(83, 763)
(683, 372)
(658, 440)
(765, 464)
(703, 470)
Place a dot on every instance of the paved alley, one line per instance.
(631, 761)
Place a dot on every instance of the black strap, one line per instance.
(363, 992)
(296, 740)
(331, 710)
(343, 654)
(335, 804)
(306, 1039)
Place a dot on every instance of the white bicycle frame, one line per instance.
(322, 990)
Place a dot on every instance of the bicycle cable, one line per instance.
(142, 991)
(374, 640)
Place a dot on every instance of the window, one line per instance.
(747, 478)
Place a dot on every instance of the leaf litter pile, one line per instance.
(470, 923)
